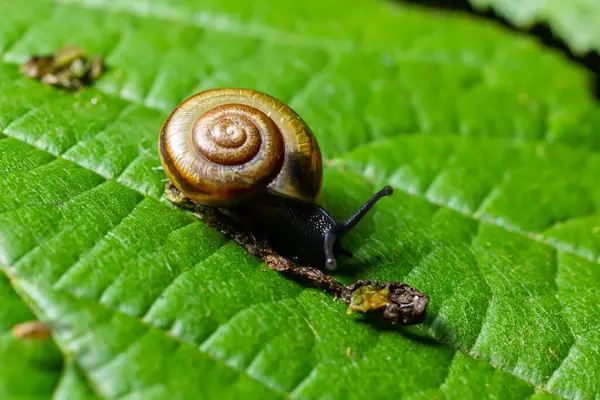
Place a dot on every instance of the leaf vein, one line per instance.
(178, 276)
(74, 265)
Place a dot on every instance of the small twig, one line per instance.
(395, 302)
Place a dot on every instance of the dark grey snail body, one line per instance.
(305, 232)
(249, 153)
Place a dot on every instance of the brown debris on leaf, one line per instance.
(393, 302)
(68, 68)
(32, 330)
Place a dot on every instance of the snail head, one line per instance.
(341, 228)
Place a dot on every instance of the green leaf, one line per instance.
(577, 22)
(30, 368)
(490, 139)
(33, 368)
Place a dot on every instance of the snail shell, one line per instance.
(222, 146)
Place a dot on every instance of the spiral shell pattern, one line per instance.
(222, 146)
(232, 134)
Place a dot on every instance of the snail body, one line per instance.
(247, 152)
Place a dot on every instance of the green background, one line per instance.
(490, 139)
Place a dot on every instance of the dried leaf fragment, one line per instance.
(67, 69)
(32, 330)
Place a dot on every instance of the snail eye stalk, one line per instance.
(343, 227)
(330, 261)
(363, 210)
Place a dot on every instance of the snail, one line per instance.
(248, 153)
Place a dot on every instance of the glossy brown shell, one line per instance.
(222, 146)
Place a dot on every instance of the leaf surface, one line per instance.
(490, 139)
